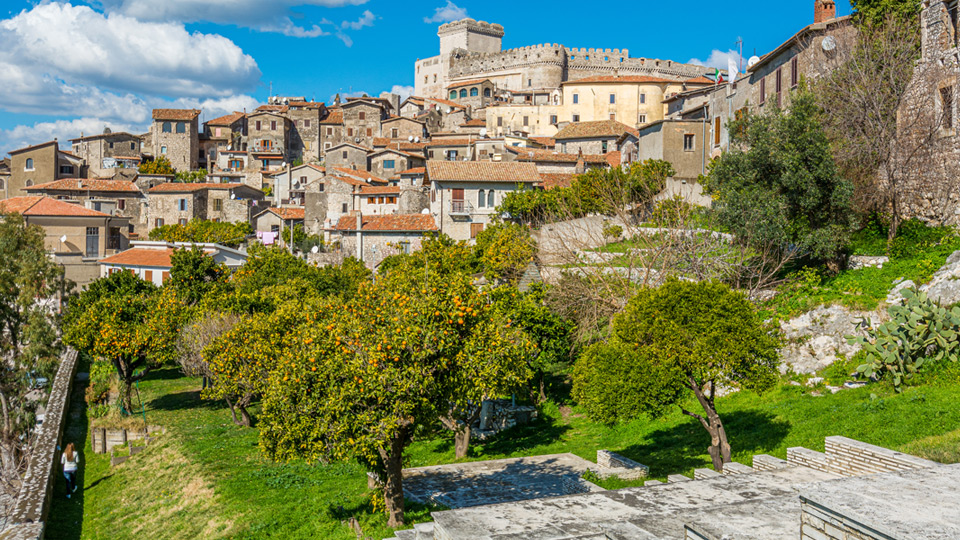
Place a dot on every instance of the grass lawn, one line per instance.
(207, 479)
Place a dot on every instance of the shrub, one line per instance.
(102, 380)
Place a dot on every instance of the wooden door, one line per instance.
(475, 229)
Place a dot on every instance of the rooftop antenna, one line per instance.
(739, 44)
(271, 89)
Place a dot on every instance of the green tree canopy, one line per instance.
(161, 165)
(504, 252)
(672, 341)
(194, 274)
(203, 231)
(779, 186)
(878, 11)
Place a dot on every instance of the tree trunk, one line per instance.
(233, 411)
(393, 479)
(126, 396)
(242, 405)
(719, 446)
(461, 441)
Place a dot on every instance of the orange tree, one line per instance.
(133, 331)
(359, 381)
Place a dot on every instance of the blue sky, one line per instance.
(80, 65)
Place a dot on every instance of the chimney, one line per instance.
(824, 10)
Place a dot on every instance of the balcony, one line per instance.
(460, 207)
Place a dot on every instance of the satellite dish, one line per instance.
(416, 139)
(315, 250)
(483, 132)
(63, 238)
(357, 140)
(425, 211)
(233, 195)
(829, 44)
(449, 110)
(753, 61)
(410, 138)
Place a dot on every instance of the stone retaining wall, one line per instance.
(104, 440)
(764, 462)
(849, 457)
(613, 464)
(33, 501)
(818, 523)
(804, 457)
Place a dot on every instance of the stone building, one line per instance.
(523, 120)
(305, 119)
(347, 155)
(464, 195)
(289, 186)
(4, 177)
(472, 50)
(449, 148)
(414, 190)
(331, 130)
(151, 261)
(680, 142)
(178, 203)
(39, 164)
(629, 99)
(105, 152)
(175, 135)
(474, 94)
(229, 135)
(277, 219)
(550, 162)
(377, 200)
(388, 162)
(329, 199)
(269, 137)
(597, 137)
(77, 236)
(362, 120)
(374, 238)
(119, 198)
(400, 127)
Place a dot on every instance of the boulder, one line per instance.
(813, 340)
(945, 284)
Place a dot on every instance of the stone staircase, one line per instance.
(763, 501)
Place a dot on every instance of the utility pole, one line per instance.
(739, 44)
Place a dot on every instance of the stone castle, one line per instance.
(472, 49)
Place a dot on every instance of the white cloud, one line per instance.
(717, 59)
(64, 49)
(262, 15)
(63, 130)
(365, 20)
(403, 91)
(447, 13)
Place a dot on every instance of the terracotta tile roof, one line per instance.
(34, 147)
(176, 114)
(447, 102)
(398, 118)
(409, 146)
(380, 141)
(183, 187)
(549, 156)
(226, 120)
(700, 80)
(635, 79)
(103, 136)
(544, 141)
(450, 142)
(613, 158)
(271, 108)
(415, 170)
(288, 213)
(317, 168)
(84, 184)
(481, 171)
(359, 174)
(475, 122)
(396, 151)
(588, 130)
(467, 83)
(555, 180)
(141, 257)
(45, 206)
(335, 117)
(391, 222)
(307, 104)
(380, 190)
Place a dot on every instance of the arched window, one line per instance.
(474, 92)
(486, 92)
(490, 201)
(463, 93)
(2, 186)
(453, 94)
(29, 165)
(167, 127)
(481, 199)
(29, 183)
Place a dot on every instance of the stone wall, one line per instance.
(817, 523)
(612, 464)
(764, 462)
(33, 501)
(848, 457)
(103, 440)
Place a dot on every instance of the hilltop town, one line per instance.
(556, 293)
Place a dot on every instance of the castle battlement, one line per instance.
(470, 25)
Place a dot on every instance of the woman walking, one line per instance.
(70, 460)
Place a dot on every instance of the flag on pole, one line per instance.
(717, 75)
(732, 69)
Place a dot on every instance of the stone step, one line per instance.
(764, 462)
(701, 474)
(736, 468)
(652, 483)
(674, 478)
(424, 531)
(408, 534)
(799, 456)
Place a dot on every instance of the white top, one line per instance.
(70, 466)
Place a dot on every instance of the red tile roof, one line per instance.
(335, 117)
(415, 170)
(380, 190)
(474, 122)
(590, 130)
(555, 180)
(288, 213)
(85, 184)
(700, 80)
(176, 114)
(380, 141)
(141, 257)
(226, 120)
(359, 174)
(272, 108)
(635, 79)
(613, 158)
(549, 156)
(481, 171)
(544, 141)
(45, 206)
(468, 83)
(183, 187)
(447, 102)
(392, 222)
(307, 104)
(450, 142)
(34, 147)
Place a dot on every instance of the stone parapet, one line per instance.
(799, 456)
(849, 457)
(764, 462)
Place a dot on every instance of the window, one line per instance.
(389, 164)
(148, 275)
(29, 165)
(181, 127)
(763, 90)
(794, 73)
(182, 221)
(121, 204)
(273, 125)
(689, 142)
(329, 132)
(641, 119)
(164, 276)
(779, 87)
(463, 93)
(613, 98)
(133, 146)
(529, 83)
(394, 133)
(369, 132)
(576, 118)
(66, 169)
(526, 121)
(349, 132)
(344, 208)
(29, 183)
(158, 222)
(553, 119)
(182, 205)
(326, 146)
(474, 92)
(576, 99)
(643, 98)
(613, 116)
(344, 154)
(946, 104)
(499, 121)
(111, 145)
(1, 183)
(453, 94)
(93, 241)
(434, 77)
(163, 150)
(303, 180)
(218, 205)
(258, 125)
(475, 229)
(166, 127)
(320, 185)
(391, 200)
(363, 115)
(716, 131)
(482, 198)
(490, 199)
(486, 92)
(306, 123)
(603, 147)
